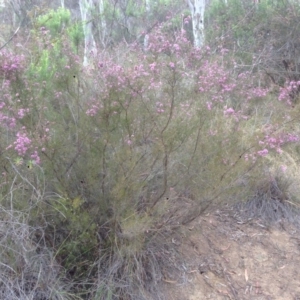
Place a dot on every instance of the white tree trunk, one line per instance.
(89, 41)
(197, 8)
(103, 30)
(147, 3)
(62, 3)
(146, 38)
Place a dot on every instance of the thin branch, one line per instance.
(11, 36)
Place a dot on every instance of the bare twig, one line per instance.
(6, 43)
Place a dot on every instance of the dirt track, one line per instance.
(227, 258)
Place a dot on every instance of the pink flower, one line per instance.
(283, 168)
(263, 152)
(208, 105)
(22, 143)
(92, 111)
(22, 112)
(229, 111)
(172, 65)
(35, 157)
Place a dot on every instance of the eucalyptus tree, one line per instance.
(103, 24)
(197, 8)
(89, 41)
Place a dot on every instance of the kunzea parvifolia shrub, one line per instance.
(132, 147)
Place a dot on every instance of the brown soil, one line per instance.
(226, 258)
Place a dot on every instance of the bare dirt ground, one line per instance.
(227, 257)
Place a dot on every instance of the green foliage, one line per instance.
(132, 10)
(81, 241)
(58, 22)
(75, 32)
(235, 22)
(51, 65)
(43, 69)
(54, 20)
(249, 30)
(244, 26)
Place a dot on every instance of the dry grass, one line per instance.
(29, 271)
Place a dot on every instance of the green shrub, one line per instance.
(115, 157)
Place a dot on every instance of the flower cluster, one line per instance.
(276, 142)
(22, 142)
(35, 156)
(92, 111)
(160, 42)
(216, 82)
(288, 92)
(10, 63)
(22, 112)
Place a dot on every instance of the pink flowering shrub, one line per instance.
(135, 127)
(222, 86)
(10, 64)
(15, 100)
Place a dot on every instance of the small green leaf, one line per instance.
(77, 202)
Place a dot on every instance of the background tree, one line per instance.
(86, 7)
(197, 8)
